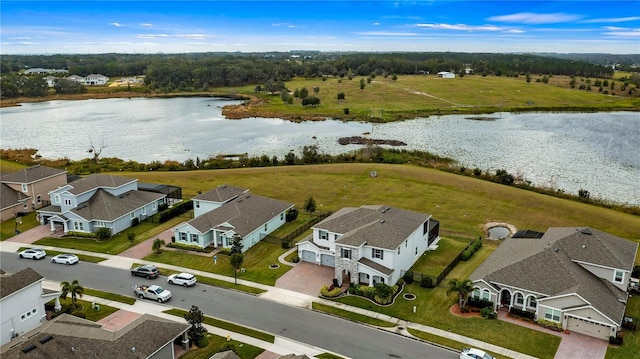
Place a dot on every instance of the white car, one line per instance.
(66, 258)
(183, 279)
(473, 353)
(33, 253)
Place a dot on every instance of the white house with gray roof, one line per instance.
(370, 244)
(574, 277)
(227, 211)
(99, 200)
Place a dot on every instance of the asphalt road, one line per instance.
(335, 334)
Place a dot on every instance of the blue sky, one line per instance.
(45, 27)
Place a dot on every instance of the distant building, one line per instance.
(40, 70)
(446, 75)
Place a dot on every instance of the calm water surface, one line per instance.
(598, 152)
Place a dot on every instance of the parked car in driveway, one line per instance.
(473, 353)
(148, 271)
(66, 258)
(33, 253)
(183, 279)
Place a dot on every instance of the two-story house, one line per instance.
(370, 244)
(36, 182)
(96, 80)
(227, 211)
(12, 203)
(22, 301)
(99, 200)
(576, 278)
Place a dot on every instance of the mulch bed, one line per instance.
(455, 310)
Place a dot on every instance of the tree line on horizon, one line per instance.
(201, 71)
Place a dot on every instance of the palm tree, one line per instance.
(157, 244)
(462, 287)
(74, 288)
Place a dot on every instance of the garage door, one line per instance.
(308, 256)
(588, 328)
(327, 260)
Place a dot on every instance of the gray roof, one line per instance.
(104, 206)
(10, 197)
(70, 336)
(375, 266)
(11, 283)
(229, 354)
(547, 265)
(377, 226)
(32, 174)
(221, 193)
(94, 181)
(245, 213)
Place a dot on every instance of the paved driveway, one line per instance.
(576, 345)
(306, 278)
(31, 235)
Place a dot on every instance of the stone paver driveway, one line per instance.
(306, 278)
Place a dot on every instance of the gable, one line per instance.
(32, 174)
(220, 194)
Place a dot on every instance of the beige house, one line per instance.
(12, 202)
(36, 182)
(574, 278)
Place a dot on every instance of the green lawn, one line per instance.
(630, 347)
(351, 315)
(8, 227)
(433, 262)
(449, 343)
(109, 296)
(85, 307)
(245, 351)
(81, 257)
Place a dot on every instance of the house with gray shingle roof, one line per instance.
(36, 182)
(574, 277)
(370, 244)
(227, 211)
(22, 301)
(12, 202)
(99, 200)
(67, 336)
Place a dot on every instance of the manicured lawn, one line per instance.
(8, 227)
(227, 325)
(82, 257)
(215, 282)
(350, 315)
(117, 243)
(85, 306)
(109, 296)
(433, 262)
(245, 351)
(453, 344)
(630, 347)
(328, 356)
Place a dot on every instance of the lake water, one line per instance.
(598, 152)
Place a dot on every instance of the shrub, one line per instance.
(295, 259)
(225, 251)
(228, 346)
(190, 247)
(487, 312)
(103, 233)
(330, 293)
(345, 110)
(163, 207)
(292, 214)
(426, 282)
(549, 324)
(202, 342)
(471, 249)
(131, 236)
(135, 222)
(408, 277)
(479, 303)
(80, 234)
(522, 313)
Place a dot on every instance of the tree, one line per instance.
(341, 96)
(64, 86)
(96, 151)
(583, 193)
(35, 86)
(131, 236)
(236, 244)
(316, 89)
(236, 262)
(157, 245)
(74, 288)
(103, 233)
(463, 288)
(310, 205)
(195, 317)
(310, 101)
(303, 93)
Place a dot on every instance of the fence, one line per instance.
(287, 241)
(418, 277)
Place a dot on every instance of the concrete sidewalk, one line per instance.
(287, 297)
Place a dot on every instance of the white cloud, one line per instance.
(116, 24)
(376, 24)
(533, 18)
(151, 36)
(193, 36)
(385, 33)
(461, 27)
(613, 19)
(628, 33)
(146, 24)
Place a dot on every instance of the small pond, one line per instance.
(499, 232)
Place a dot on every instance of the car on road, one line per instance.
(33, 253)
(473, 353)
(183, 279)
(148, 271)
(66, 258)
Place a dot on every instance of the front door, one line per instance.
(505, 298)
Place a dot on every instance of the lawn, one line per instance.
(351, 315)
(245, 351)
(85, 307)
(8, 227)
(81, 257)
(433, 262)
(109, 296)
(449, 343)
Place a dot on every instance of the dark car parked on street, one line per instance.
(147, 271)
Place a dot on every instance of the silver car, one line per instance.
(473, 353)
(33, 253)
(183, 279)
(66, 258)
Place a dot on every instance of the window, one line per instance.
(398, 250)
(132, 215)
(56, 198)
(425, 228)
(486, 295)
(476, 293)
(265, 227)
(377, 253)
(197, 204)
(345, 253)
(416, 250)
(552, 314)
(67, 201)
(39, 199)
(101, 224)
(282, 216)
(618, 276)
(183, 236)
(406, 242)
(323, 235)
(24, 188)
(144, 211)
(194, 237)
(532, 302)
(519, 299)
(78, 226)
(153, 206)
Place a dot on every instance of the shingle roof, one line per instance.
(375, 266)
(10, 197)
(229, 354)
(11, 283)
(547, 265)
(94, 181)
(245, 213)
(74, 337)
(107, 207)
(32, 174)
(378, 226)
(221, 193)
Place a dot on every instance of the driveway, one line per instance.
(306, 278)
(31, 235)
